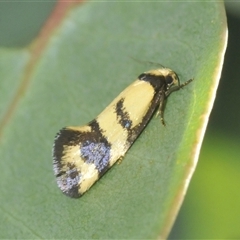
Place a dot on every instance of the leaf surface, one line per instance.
(85, 62)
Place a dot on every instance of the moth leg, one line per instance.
(119, 161)
(162, 101)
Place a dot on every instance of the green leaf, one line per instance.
(68, 77)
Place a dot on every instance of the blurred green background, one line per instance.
(211, 208)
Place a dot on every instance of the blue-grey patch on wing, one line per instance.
(97, 153)
(73, 177)
(127, 124)
(69, 181)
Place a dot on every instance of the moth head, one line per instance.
(171, 79)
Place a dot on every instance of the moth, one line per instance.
(81, 155)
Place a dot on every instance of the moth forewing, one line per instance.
(81, 155)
